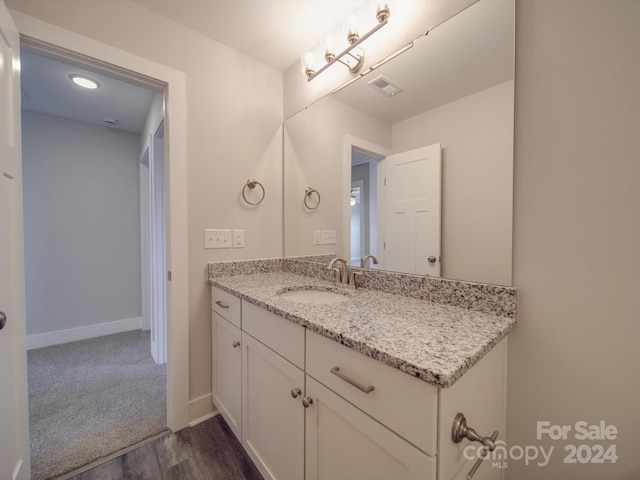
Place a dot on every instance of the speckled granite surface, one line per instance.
(434, 342)
(481, 297)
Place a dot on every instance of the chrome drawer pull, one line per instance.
(365, 388)
(221, 305)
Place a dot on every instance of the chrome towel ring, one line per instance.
(252, 184)
(307, 196)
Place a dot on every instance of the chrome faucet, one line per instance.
(364, 259)
(343, 279)
(341, 276)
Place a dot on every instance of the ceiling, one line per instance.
(274, 32)
(47, 88)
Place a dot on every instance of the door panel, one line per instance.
(14, 452)
(413, 195)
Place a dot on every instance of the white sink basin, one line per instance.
(313, 296)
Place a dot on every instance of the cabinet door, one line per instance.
(343, 443)
(273, 420)
(226, 372)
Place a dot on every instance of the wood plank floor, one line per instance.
(204, 452)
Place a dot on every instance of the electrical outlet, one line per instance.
(317, 237)
(238, 239)
(216, 238)
(328, 237)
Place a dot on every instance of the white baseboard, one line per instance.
(201, 409)
(40, 340)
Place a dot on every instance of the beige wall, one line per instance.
(574, 353)
(476, 135)
(234, 116)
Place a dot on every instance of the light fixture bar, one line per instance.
(313, 74)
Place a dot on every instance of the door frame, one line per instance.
(80, 48)
(375, 150)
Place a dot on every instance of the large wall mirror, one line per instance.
(413, 162)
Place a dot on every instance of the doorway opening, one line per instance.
(89, 223)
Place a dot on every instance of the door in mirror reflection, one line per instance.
(412, 211)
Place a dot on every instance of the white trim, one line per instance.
(176, 154)
(47, 339)
(376, 150)
(201, 409)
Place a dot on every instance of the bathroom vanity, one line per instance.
(363, 385)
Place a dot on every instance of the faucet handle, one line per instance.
(338, 275)
(352, 279)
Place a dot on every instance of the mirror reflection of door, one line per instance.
(412, 211)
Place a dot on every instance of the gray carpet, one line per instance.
(91, 398)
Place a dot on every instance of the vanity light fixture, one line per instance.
(352, 56)
(84, 82)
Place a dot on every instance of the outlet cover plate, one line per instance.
(317, 237)
(238, 239)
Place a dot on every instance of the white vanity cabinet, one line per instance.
(312, 409)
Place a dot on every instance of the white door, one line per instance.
(158, 249)
(412, 213)
(14, 449)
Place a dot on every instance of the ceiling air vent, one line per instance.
(384, 86)
(110, 122)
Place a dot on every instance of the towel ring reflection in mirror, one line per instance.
(309, 199)
(251, 185)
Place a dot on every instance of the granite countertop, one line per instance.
(434, 342)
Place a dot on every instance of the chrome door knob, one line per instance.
(3, 320)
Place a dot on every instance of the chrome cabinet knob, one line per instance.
(295, 392)
(3, 320)
(306, 401)
(236, 343)
(431, 259)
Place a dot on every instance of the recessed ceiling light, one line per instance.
(84, 82)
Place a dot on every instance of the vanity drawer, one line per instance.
(226, 305)
(279, 334)
(405, 404)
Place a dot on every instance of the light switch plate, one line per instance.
(238, 239)
(217, 238)
(317, 237)
(328, 237)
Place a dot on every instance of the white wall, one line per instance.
(314, 157)
(476, 134)
(81, 217)
(574, 353)
(234, 132)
